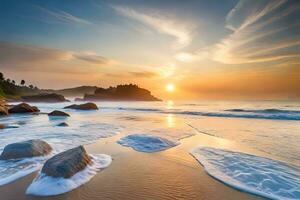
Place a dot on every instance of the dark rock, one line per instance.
(23, 108)
(2, 126)
(58, 113)
(29, 148)
(85, 106)
(3, 110)
(49, 98)
(67, 163)
(63, 124)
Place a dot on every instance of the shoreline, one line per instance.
(170, 174)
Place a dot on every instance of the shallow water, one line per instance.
(270, 128)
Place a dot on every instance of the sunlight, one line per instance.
(170, 87)
(170, 120)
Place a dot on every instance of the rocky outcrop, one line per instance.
(63, 124)
(128, 92)
(29, 148)
(57, 113)
(67, 163)
(23, 108)
(85, 106)
(49, 98)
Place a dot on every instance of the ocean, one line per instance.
(271, 128)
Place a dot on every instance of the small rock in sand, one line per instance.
(58, 113)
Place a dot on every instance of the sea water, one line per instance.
(270, 127)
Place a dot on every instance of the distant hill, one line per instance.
(74, 92)
(9, 90)
(128, 92)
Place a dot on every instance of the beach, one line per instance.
(170, 173)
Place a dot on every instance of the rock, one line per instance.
(2, 126)
(23, 108)
(85, 106)
(3, 110)
(29, 148)
(67, 163)
(49, 98)
(58, 113)
(63, 124)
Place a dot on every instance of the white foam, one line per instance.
(147, 143)
(44, 185)
(11, 170)
(253, 174)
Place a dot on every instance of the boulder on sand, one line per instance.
(67, 163)
(57, 113)
(23, 108)
(29, 148)
(85, 106)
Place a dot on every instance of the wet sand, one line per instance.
(170, 174)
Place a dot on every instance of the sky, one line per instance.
(229, 49)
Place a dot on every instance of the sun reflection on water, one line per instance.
(170, 121)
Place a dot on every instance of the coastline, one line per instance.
(169, 174)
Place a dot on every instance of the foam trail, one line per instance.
(146, 143)
(11, 170)
(260, 176)
(44, 185)
(197, 130)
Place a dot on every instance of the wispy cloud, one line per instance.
(18, 55)
(261, 32)
(181, 31)
(64, 17)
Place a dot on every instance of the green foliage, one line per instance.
(9, 89)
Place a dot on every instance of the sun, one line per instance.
(170, 87)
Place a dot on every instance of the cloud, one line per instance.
(24, 56)
(181, 31)
(64, 17)
(15, 54)
(262, 31)
(92, 58)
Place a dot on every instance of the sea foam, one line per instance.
(147, 143)
(253, 174)
(11, 170)
(44, 185)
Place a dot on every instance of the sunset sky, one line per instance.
(206, 49)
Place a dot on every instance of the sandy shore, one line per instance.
(171, 174)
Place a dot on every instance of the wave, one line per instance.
(146, 143)
(273, 114)
(12, 170)
(270, 110)
(257, 175)
(44, 185)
